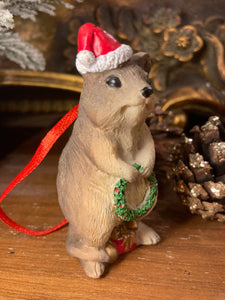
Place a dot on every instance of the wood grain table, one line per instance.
(188, 263)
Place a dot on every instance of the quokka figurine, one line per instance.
(105, 181)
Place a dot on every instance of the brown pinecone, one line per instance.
(168, 138)
(200, 175)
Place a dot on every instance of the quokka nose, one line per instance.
(146, 91)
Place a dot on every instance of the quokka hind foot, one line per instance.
(93, 269)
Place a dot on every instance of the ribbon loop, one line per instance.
(41, 152)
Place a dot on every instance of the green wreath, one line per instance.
(126, 213)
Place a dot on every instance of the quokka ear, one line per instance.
(143, 60)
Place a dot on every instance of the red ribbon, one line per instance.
(41, 152)
(120, 246)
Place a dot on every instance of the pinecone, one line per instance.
(200, 175)
(168, 138)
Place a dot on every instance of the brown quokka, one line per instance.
(109, 136)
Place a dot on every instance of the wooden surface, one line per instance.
(188, 263)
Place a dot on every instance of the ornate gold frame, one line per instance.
(41, 79)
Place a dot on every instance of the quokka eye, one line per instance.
(113, 81)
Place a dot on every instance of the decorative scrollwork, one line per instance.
(194, 52)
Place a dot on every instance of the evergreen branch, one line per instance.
(11, 45)
(6, 18)
(20, 52)
(28, 9)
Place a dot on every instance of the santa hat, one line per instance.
(99, 51)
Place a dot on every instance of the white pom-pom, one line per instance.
(86, 58)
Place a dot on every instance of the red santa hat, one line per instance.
(99, 51)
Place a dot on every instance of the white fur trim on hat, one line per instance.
(87, 62)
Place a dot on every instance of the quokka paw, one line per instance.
(146, 235)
